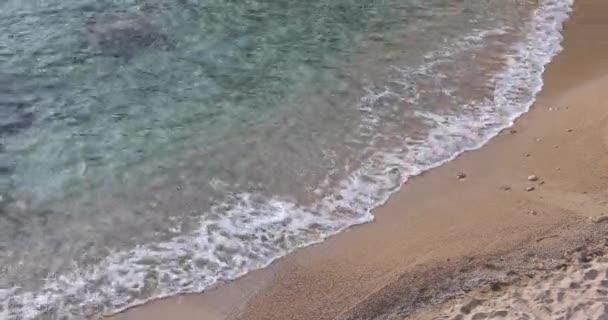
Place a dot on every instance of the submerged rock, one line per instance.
(18, 122)
(122, 35)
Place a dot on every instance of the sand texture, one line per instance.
(579, 293)
(577, 289)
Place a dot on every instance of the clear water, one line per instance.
(154, 147)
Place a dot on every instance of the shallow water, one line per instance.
(213, 137)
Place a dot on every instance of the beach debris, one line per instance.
(505, 188)
(512, 131)
(539, 139)
(547, 237)
(530, 189)
(569, 130)
(461, 176)
(527, 155)
(532, 178)
(558, 168)
(532, 212)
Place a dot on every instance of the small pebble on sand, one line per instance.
(461, 176)
(532, 178)
(532, 212)
(570, 130)
(530, 189)
(505, 188)
(512, 131)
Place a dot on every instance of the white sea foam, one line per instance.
(249, 231)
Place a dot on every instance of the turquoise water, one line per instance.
(152, 147)
(231, 65)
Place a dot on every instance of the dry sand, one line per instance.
(580, 291)
(574, 287)
(440, 237)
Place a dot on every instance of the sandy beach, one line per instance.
(509, 220)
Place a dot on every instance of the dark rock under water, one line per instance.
(123, 35)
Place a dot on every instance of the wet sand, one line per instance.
(442, 238)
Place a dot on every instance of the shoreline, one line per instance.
(437, 221)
